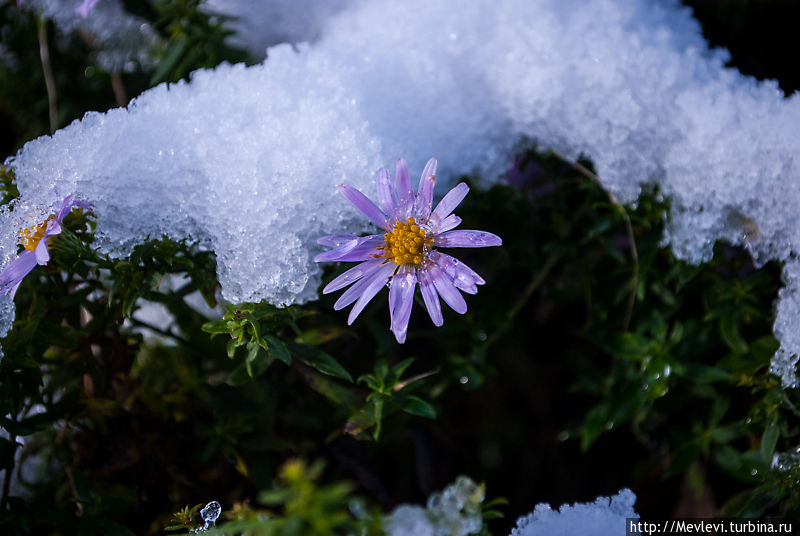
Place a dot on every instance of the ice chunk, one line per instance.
(603, 517)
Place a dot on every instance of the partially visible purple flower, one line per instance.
(34, 240)
(405, 254)
(84, 9)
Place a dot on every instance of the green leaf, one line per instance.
(769, 441)
(401, 367)
(417, 406)
(319, 360)
(729, 331)
(233, 344)
(218, 326)
(278, 349)
(171, 58)
(593, 425)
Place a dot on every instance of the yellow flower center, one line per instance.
(34, 234)
(407, 243)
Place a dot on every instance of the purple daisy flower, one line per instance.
(34, 240)
(405, 254)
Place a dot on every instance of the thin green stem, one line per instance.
(49, 80)
(534, 284)
(628, 229)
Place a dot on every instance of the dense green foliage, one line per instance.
(591, 360)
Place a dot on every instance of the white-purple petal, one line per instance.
(468, 239)
(350, 276)
(430, 297)
(424, 198)
(53, 227)
(447, 290)
(361, 249)
(464, 277)
(387, 196)
(354, 292)
(449, 202)
(15, 271)
(405, 191)
(374, 284)
(450, 222)
(41, 253)
(401, 298)
(335, 241)
(363, 203)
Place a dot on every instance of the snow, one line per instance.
(245, 160)
(605, 516)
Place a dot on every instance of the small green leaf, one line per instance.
(769, 441)
(416, 406)
(729, 331)
(231, 347)
(319, 360)
(278, 349)
(401, 367)
(218, 326)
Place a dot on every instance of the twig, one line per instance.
(535, 283)
(74, 489)
(628, 228)
(49, 81)
(119, 89)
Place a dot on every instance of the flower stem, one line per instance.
(535, 283)
(49, 80)
(628, 229)
(119, 88)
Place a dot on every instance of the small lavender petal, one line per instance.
(364, 251)
(375, 283)
(363, 203)
(350, 276)
(449, 202)
(354, 292)
(405, 191)
(336, 253)
(464, 277)
(450, 222)
(15, 272)
(387, 196)
(361, 249)
(66, 206)
(467, 239)
(335, 241)
(84, 9)
(52, 228)
(401, 298)
(447, 290)
(430, 297)
(42, 255)
(424, 198)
